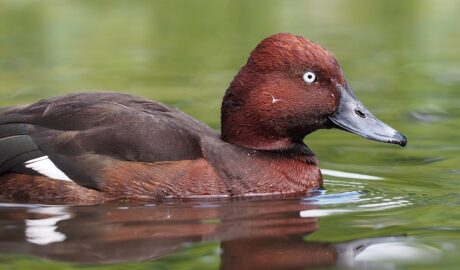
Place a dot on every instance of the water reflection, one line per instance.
(253, 234)
(43, 230)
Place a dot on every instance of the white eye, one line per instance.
(309, 77)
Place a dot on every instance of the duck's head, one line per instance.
(289, 88)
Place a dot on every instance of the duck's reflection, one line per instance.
(252, 234)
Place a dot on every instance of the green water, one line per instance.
(402, 58)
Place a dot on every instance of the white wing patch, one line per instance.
(46, 167)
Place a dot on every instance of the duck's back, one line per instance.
(82, 133)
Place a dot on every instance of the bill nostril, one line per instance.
(360, 113)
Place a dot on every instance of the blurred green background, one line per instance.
(401, 57)
(186, 52)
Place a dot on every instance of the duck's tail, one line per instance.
(16, 146)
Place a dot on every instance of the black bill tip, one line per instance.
(400, 139)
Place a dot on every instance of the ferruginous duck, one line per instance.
(116, 147)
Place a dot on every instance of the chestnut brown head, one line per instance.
(289, 88)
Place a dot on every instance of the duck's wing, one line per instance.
(77, 136)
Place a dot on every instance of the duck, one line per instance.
(107, 146)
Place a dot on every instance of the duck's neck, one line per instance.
(248, 137)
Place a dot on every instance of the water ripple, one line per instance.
(352, 195)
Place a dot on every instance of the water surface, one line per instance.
(384, 207)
